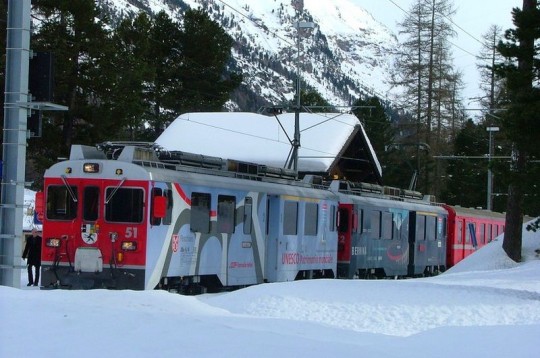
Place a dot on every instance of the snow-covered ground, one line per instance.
(487, 306)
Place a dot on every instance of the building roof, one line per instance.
(257, 138)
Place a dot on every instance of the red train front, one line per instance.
(95, 226)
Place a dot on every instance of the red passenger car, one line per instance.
(470, 229)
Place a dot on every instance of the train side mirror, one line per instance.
(160, 206)
(39, 204)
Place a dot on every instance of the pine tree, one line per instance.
(135, 67)
(206, 52)
(492, 86)
(424, 71)
(521, 121)
(73, 31)
(164, 92)
(466, 177)
(393, 157)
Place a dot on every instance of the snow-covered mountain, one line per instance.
(345, 56)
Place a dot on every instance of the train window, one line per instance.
(460, 232)
(290, 218)
(367, 224)
(332, 221)
(404, 228)
(61, 202)
(91, 203)
(248, 212)
(441, 228)
(420, 227)
(468, 234)
(360, 221)
(311, 219)
(343, 222)
(482, 234)
(153, 220)
(387, 225)
(376, 224)
(200, 212)
(489, 233)
(226, 211)
(431, 227)
(397, 224)
(167, 220)
(125, 205)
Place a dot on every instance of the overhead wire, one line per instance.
(459, 27)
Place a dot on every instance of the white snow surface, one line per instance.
(263, 139)
(28, 210)
(486, 306)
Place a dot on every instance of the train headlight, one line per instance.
(53, 242)
(129, 245)
(91, 168)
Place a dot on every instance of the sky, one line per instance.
(473, 17)
(486, 306)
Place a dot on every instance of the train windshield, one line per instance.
(91, 203)
(124, 205)
(61, 202)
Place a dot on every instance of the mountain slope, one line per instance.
(343, 57)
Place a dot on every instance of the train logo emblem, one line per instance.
(174, 243)
(89, 234)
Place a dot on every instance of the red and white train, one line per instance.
(129, 216)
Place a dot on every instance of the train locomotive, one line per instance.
(133, 216)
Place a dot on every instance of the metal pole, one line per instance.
(296, 139)
(490, 174)
(14, 141)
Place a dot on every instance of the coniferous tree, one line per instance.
(313, 101)
(135, 73)
(73, 31)
(424, 71)
(465, 176)
(164, 92)
(521, 121)
(206, 52)
(492, 86)
(392, 156)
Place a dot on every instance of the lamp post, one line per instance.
(296, 140)
(490, 174)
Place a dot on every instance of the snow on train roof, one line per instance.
(261, 139)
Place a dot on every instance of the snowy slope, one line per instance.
(343, 57)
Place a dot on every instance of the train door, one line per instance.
(459, 241)
(273, 210)
(344, 225)
(412, 243)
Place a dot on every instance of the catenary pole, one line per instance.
(14, 141)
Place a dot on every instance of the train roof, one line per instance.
(251, 137)
(150, 161)
(476, 212)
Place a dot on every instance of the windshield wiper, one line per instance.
(114, 191)
(71, 193)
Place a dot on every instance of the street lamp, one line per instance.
(490, 174)
(296, 140)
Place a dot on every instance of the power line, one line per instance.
(255, 23)
(459, 27)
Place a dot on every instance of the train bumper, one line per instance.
(65, 277)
